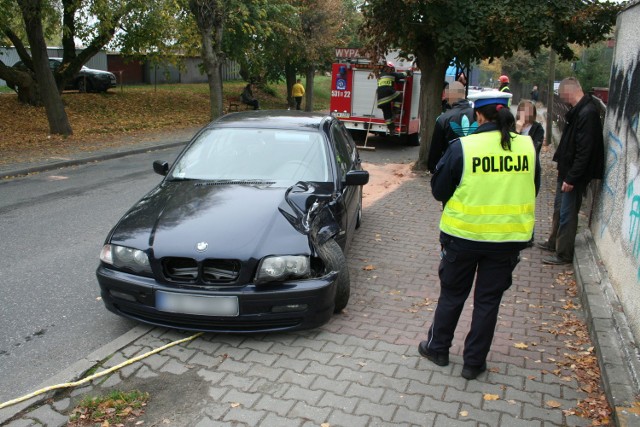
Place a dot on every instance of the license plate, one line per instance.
(202, 305)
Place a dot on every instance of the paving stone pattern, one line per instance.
(363, 368)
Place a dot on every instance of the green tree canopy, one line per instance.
(437, 31)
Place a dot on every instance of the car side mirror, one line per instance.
(160, 167)
(357, 177)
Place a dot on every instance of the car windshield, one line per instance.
(255, 154)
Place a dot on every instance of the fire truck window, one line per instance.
(341, 151)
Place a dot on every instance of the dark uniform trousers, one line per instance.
(457, 270)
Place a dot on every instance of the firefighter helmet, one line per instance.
(504, 79)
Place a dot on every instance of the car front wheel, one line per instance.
(84, 85)
(336, 261)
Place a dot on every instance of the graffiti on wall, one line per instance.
(619, 213)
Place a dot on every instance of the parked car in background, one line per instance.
(247, 232)
(87, 79)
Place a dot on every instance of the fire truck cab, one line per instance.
(354, 100)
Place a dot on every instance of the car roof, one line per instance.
(272, 119)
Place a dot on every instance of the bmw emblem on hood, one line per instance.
(202, 246)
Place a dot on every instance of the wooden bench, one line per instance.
(234, 103)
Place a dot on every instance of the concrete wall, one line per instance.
(616, 225)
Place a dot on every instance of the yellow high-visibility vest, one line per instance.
(496, 198)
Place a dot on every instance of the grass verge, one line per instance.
(116, 408)
(123, 114)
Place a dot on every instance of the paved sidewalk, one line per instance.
(363, 368)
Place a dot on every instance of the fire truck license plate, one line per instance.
(342, 115)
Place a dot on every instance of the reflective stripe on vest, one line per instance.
(386, 81)
(495, 201)
(506, 89)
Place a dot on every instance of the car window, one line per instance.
(342, 153)
(263, 154)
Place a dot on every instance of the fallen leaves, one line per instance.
(579, 361)
(553, 404)
(488, 396)
(521, 346)
(104, 120)
(117, 408)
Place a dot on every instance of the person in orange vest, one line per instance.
(488, 183)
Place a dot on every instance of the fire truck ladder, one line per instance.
(401, 115)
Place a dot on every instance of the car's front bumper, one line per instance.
(301, 304)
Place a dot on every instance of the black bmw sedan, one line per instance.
(247, 232)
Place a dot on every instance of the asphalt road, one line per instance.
(52, 226)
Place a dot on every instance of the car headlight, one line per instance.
(276, 268)
(125, 258)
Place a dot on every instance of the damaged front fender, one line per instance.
(309, 209)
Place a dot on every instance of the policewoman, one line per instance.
(488, 183)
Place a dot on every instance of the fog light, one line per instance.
(122, 295)
(290, 308)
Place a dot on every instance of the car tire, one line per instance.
(336, 261)
(358, 135)
(84, 85)
(359, 214)
(412, 140)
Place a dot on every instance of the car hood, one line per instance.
(95, 72)
(236, 221)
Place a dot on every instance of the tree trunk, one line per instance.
(290, 77)
(433, 70)
(23, 83)
(209, 18)
(214, 77)
(308, 101)
(51, 98)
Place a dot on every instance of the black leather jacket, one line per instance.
(459, 121)
(580, 154)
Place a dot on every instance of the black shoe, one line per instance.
(555, 260)
(546, 246)
(440, 359)
(471, 372)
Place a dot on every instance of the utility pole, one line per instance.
(550, 83)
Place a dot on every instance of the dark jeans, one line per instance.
(565, 220)
(458, 269)
(254, 103)
(298, 102)
(387, 113)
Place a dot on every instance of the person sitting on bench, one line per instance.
(247, 97)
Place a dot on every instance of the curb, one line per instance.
(76, 370)
(609, 329)
(117, 153)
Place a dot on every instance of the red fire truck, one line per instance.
(354, 102)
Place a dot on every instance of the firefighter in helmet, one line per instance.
(387, 93)
(504, 86)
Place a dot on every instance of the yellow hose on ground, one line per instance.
(97, 375)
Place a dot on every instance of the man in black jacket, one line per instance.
(580, 158)
(455, 123)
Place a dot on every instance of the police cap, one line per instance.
(480, 99)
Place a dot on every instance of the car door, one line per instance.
(345, 154)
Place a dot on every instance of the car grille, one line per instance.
(209, 271)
